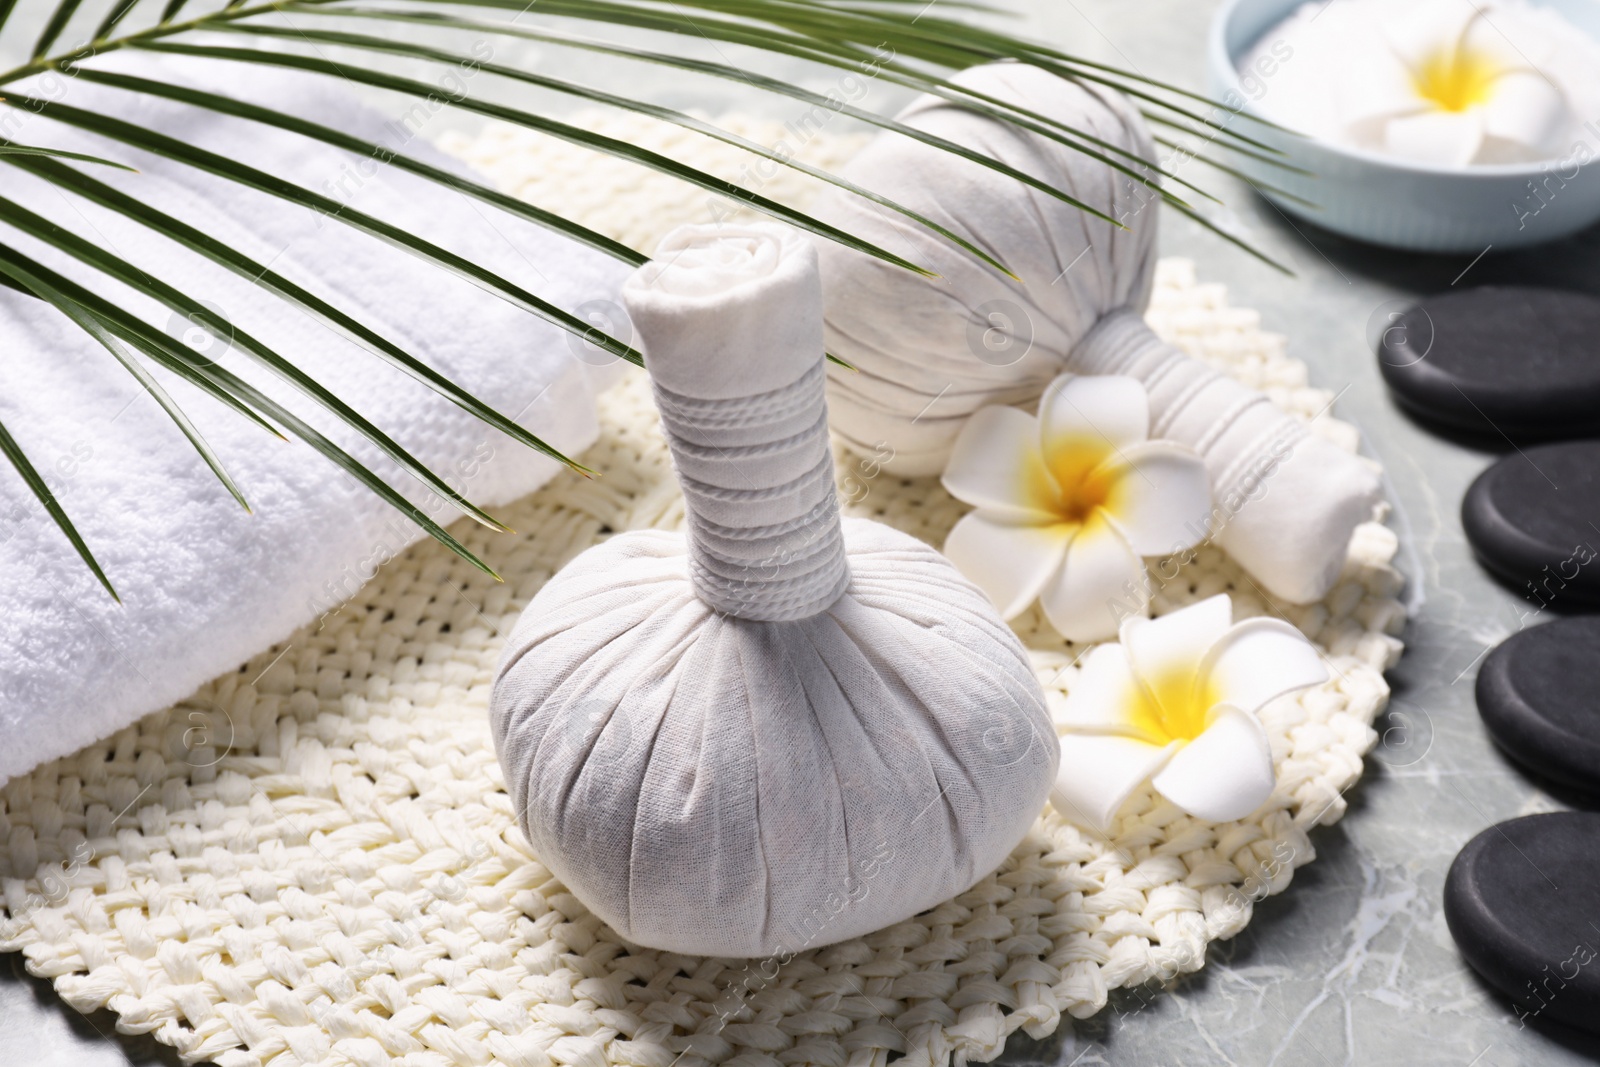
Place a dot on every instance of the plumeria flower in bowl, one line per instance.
(1068, 504)
(1446, 87)
(1431, 125)
(1175, 703)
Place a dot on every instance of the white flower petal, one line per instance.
(1101, 582)
(996, 465)
(1098, 773)
(1105, 698)
(1423, 31)
(1009, 563)
(1526, 109)
(1509, 45)
(1083, 418)
(1178, 640)
(1260, 659)
(1160, 497)
(1436, 138)
(1385, 88)
(1222, 775)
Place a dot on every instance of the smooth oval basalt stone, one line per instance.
(1522, 901)
(1498, 360)
(1535, 706)
(1533, 519)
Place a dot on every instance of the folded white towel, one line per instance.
(205, 585)
(930, 352)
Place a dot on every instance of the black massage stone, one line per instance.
(1501, 361)
(1523, 903)
(1534, 521)
(1536, 696)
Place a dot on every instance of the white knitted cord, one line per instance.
(741, 563)
(313, 860)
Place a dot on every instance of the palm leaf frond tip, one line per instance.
(899, 41)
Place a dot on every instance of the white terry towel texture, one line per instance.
(205, 585)
(930, 352)
(782, 731)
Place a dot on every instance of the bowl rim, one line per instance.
(1225, 70)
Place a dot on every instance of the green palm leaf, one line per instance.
(678, 118)
(1077, 139)
(14, 265)
(951, 44)
(899, 41)
(235, 392)
(114, 266)
(52, 29)
(19, 460)
(252, 178)
(32, 282)
(562, 130)
(263, 275)
(119, 11)
(853, 57)
(278, 119)
(8, 149)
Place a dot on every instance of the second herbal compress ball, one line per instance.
(778, 730)
(932, 351)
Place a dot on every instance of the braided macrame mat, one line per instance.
(313, 861)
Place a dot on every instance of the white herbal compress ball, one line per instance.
(777, 731)
(931, 351)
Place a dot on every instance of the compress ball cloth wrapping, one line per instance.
(779, 730)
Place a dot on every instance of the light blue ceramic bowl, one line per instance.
(1403, 205)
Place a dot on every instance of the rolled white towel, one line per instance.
(780, 731)
(930, 352)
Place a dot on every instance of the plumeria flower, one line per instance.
(1069, 503)
(1446, 87)
(1174, 703)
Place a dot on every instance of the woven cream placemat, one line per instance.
(313, 861)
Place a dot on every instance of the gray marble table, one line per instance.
(1353, 964)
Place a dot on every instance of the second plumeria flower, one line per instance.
(1068, 504)
(1176, 703)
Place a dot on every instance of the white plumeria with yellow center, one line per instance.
(1068, 504)
(1175, 703)
(1446, 86)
